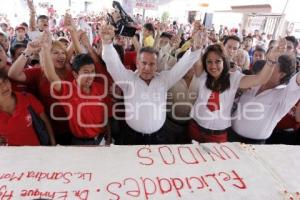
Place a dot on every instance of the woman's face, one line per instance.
(214, 64)
(58, 57)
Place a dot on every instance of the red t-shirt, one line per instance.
(17, 128)
(87, 116)
(289, 120)
(36, 78)
(102, 70)
(130, 60)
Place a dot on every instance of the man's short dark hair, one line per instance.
(287, 65)
(3, 24)
(81, 60)
(42, 17)
(260, 49)
(14, 48)
(231, 37)
(24, 24)
(166, 35)
(258, 65)
(148, 50)
(149, 27)
(248, 37)
(293, 40)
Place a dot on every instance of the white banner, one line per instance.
(207, 171)
(147, 4)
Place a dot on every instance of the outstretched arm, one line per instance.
(188, 60)
(47, 62)
(111, 57)
(32, 24)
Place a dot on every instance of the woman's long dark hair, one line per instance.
(223, 82)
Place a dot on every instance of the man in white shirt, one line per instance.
(261, 108)
(145, 91)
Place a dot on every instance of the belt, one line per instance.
(180, 123)
(289, 130)
(98, 137)
(132, 131)
(210, 131)
(245, 139)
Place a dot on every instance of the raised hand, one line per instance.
(30, 5)
(107, 33)
(200, 39)
(197, 26)
(33, 47)
(84, 40)
(69, 22)
(46, 39)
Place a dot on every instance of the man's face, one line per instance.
(289, 46)
(276, 76)
(258, 55)
(20, 34)
(163, 41)
(147, 65)
(86, 76)
(248, 42)
(4, 27)
(43, 24)
(146, 32)
(231, 48)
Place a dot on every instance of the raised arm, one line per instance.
(86, 43)
(47, 63)
(187, 61)
(32, 23)
(16, 71)
(71, 27)
(111, 57)
(265, 74)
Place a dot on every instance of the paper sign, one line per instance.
(147, 4)
(207, 171)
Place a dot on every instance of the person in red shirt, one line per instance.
(16, 126)
(87, 103)
(35, 78)
(287, 130)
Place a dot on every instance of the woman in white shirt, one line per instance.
(212, 110)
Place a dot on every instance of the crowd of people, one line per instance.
(167, 84)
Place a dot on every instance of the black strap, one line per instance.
(39, 127)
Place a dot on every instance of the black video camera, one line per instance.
(124, 24)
